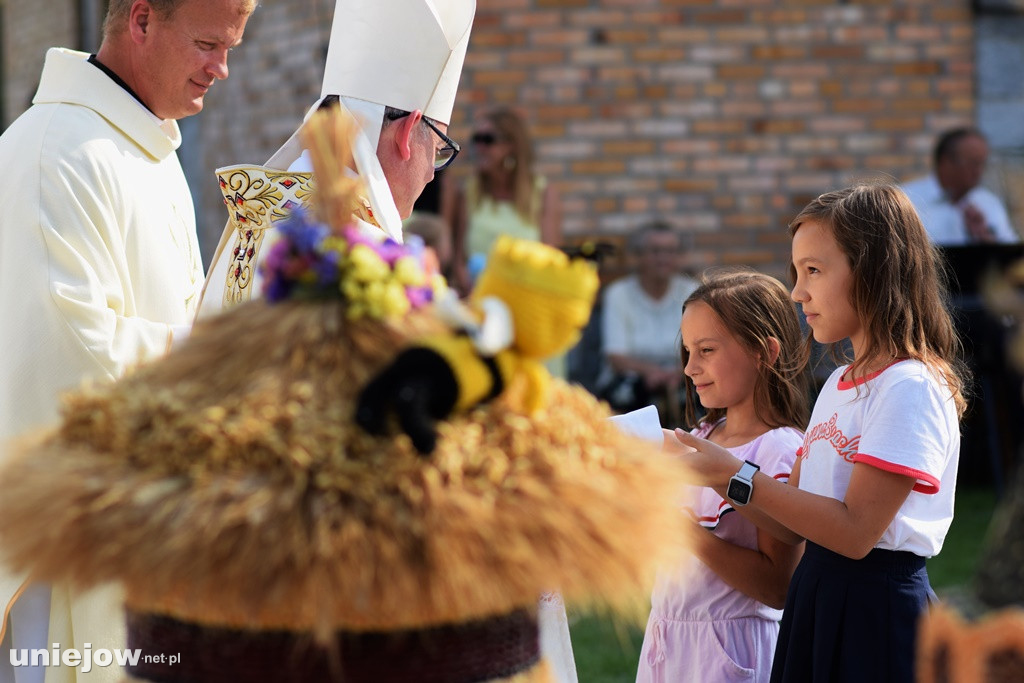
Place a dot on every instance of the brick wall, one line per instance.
(726, 117)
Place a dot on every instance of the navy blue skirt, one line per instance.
(852, 621)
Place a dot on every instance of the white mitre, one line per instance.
(406, 54)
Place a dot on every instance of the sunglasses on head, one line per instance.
(484, 138)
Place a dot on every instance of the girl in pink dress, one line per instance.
(717, 618)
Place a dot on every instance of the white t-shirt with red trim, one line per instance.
(901, 419)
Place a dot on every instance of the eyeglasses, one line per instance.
(444, 156)
(484, 138)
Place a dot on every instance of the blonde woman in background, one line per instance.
(503, 196)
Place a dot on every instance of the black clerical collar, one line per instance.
(117, 79)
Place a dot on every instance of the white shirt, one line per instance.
(900, 420)
(633, 324)
(944, 220)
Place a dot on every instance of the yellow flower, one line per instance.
(366, 265)
(408, 272)
(395, 303)
(334, 243)
(351, 290)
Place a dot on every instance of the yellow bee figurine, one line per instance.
(530, 303)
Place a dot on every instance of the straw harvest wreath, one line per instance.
(259, 530)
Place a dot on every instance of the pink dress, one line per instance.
(700, 629)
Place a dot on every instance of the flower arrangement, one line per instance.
(379, 279)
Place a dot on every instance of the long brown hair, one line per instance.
(511, 128)
(756, 308)
(899, 284)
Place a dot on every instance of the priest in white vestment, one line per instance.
(99, 262)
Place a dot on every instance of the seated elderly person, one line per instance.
(640, 325)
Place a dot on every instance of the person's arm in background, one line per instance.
(453, 210)
(551, 217)
(998, 220)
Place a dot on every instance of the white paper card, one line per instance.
(643, 423)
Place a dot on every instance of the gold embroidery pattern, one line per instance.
(364, 212)
(255, 198)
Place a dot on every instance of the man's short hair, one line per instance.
(118, 11)
(945, 146)
(637, 239)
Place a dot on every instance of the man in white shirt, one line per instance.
(955, 210)
(99, 261)
(640, 322)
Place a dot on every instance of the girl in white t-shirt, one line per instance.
(717, 617)
(877, 470)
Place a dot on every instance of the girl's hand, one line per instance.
(712, 465)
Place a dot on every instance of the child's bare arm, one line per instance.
(762, 573)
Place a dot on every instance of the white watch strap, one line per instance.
(747, 471)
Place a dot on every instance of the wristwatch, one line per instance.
(741, 486)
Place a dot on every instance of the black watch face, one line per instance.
(738, 491)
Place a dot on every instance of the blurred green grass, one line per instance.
(607, 651)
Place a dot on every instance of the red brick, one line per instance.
(859, 106)
(729, 16)
(596, 18)
(533, 57)
(554, 38)
(527, 20)
(897, 123)
(740, 71)
(682, 35)
(779, 52)
(718, 126)
(659, 53)
(627, 148)
(742, 34)
(627, 36)
(916, 69)
(598, 167)
(779, 126)
(691, 185)
(837, 52)
(918, 33)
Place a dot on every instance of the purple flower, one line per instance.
(419, 296)
(300, 233)
(327, 268)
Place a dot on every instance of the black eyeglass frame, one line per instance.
(448, 144)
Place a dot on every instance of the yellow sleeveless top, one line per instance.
(489, 219)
